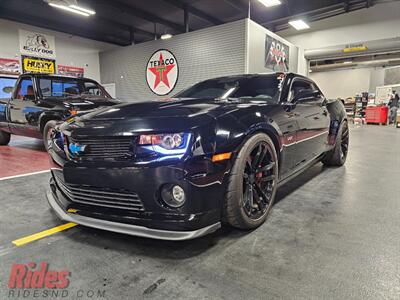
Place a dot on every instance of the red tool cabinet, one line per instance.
(376, 114)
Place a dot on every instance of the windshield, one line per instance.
(262, 87)
(70, 87)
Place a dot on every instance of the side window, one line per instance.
(6, 86)
(299, 85)
(92, 89)
(25, 90)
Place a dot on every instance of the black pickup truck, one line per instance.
(39, 101)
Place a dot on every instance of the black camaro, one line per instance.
(216, 153)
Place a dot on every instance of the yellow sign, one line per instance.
(355, 49)
(38, 65)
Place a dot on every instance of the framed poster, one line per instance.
(276, 55)
(38, 65)
(9, 66)
(36, 44)
(70, 71)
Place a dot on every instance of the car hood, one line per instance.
(172, 115)
(83, 103)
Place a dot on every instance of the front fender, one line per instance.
(231, 133)
(49, 116)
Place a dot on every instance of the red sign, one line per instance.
(70, 71)
(162, 72)
(9, 66)
(31, 276)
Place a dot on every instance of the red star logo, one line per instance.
(161, 71)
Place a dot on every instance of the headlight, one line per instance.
(167, 141)
(171, 144)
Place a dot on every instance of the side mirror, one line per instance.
(306, 95)
(8, 89)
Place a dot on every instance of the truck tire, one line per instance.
(252, 184)
(47, 133)
(4, 138)
(337, 156)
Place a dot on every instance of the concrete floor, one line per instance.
(334, 234)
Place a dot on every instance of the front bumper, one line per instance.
(129, 229)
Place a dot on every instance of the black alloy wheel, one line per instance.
(258, 181)
(338, 155)
(344, 145)
(252, 184)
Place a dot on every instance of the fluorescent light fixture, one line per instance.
(270, 3)
(67, 8)
(299, 24)
(166, 36)
(85, 10)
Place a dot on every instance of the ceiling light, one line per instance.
(166, 36)
(85, 10)
(69, 9)
(348, 62)
(270, 3)
(299, 24)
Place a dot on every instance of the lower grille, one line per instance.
(111, 198)
(118, 148)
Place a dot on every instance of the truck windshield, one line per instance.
(262, 87)
(70, 88)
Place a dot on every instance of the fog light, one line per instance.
(173, 195)
(178, 193)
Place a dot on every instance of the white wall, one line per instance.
(201, 54)
(71, 50)
(349, 82)
(382, 21)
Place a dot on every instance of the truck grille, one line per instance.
(111, 198)
(118, 148)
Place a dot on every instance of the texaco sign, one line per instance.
(162, 72)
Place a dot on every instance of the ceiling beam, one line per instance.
(238, 5)
(195, 12)
(136, 12)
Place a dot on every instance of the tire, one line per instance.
(247, 184)
(47, 133)
(338, 155)
(4, 138)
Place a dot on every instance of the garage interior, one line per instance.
(332, 233)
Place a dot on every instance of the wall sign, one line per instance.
(36, 44)
(162, 72)
(276, 55)
(38, 65)
(70, 71)
(9, 66)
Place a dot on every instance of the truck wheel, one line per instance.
(337, 156)
(4, 138)
(252, 184)
(48, 133)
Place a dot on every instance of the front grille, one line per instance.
(118, 148)
(111, 198)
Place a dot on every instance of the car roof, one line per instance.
(239, 76)
(55, 76)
